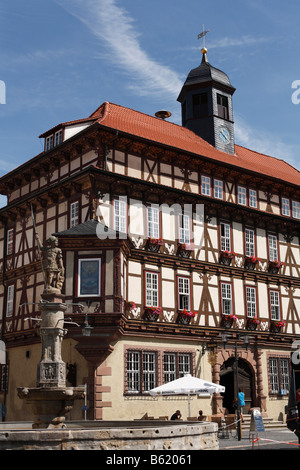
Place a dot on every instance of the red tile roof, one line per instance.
(173, 135)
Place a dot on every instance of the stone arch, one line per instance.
(224, 373)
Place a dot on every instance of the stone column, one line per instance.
(51, 371)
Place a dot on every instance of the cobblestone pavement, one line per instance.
(273, 439)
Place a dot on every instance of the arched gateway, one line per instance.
(242, 378)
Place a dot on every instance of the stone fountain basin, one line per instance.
(50, 405)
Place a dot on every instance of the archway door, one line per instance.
(245, 383)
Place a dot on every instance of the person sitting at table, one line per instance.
(176, 415)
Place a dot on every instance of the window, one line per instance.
(74, 214)
(200, 107)
(249, 242)
(279, 375)
(10, 300)
(273, 249)
(225, 237)
(141, 371)
(222, 102)
(275, 305)
(53, 140)
(152, 289)
(296, 209)
(285, 206)
(226, 298)
(142, 368)
(242, 196)
(89, 277)
(184, 293)
(58, 137)
(120, 215)
(10, 242)
(176, 365)
(184, 229)
(218, 189)
(252, 198)
(251, 301)
(149, 370)
(153, 222)
(49, 143)
(205, 185)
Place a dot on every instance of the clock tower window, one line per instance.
(200, 105)
(222, 102)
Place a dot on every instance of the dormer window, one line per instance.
(58, 137)
(53, 140)
(49, 143)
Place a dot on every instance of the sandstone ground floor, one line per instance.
(118, 378)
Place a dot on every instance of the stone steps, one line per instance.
(269, 423)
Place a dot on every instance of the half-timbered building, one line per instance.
(181, 252)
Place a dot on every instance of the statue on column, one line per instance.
(53, 267)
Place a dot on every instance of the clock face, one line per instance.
(224, 135)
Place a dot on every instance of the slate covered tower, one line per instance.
(206, 104)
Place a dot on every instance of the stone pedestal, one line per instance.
(51, 399)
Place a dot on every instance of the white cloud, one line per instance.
(246, 40)
(114, 27)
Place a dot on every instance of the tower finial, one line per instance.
(202, 35)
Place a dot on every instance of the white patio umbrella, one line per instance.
(187, 385)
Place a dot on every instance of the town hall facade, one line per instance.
(181, 252)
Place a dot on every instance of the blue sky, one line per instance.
(60, 59)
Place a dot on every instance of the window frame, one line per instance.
(248, 243)
(153, 224)
(279, 379)
(72, 219)
(249, 311)
(141, 370)
(181, 294)
(224, 311)
(296, 211)
(10, 301)
(184, 232)
(252, 197)
(285, 207)
(10, 241)
(223, 106)
(179, 368)
(223, 247)
(152, 289)
(242, 195)
(206, 185)
(276, 305)
(123, 218)
(270, 248)
(217, 189)
(80, 260)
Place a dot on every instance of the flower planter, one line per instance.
(250, 262)
(151, 313)
(252, 323)
(129, 306)
(154, 244)
(184, 317)
(275, 326)
(184, 250)
(274, 267)
(226, 257)
(227, 321)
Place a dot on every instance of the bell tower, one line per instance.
(206, 105)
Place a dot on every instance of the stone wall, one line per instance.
(117, 436)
